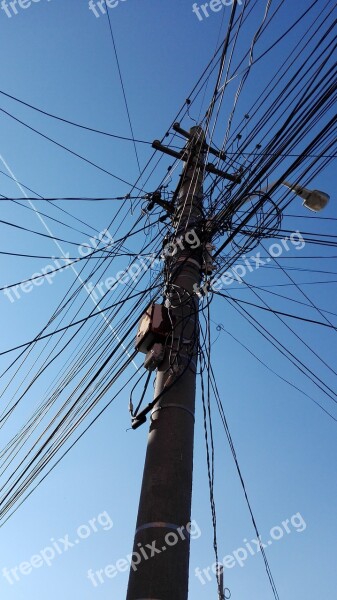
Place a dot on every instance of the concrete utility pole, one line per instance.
(165, 502)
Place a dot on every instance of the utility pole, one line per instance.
(166, 495)
(160, 558)
(160, 566)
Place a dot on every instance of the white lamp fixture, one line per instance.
(314, 200)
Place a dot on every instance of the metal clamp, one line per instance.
(173, 406)
(160, 525)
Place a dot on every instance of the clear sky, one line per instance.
(58, 55)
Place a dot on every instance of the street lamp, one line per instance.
(314, 200)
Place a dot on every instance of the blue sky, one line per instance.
(59, 57)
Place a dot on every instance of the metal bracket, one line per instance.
(209, 167)
(173, 406)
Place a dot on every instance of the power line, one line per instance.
(123, 87)
(63, 120)
(72, 152)
(262, 362)
(277, 312)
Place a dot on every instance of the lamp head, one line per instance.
(316, 200)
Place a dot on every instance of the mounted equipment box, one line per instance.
(154, 327)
